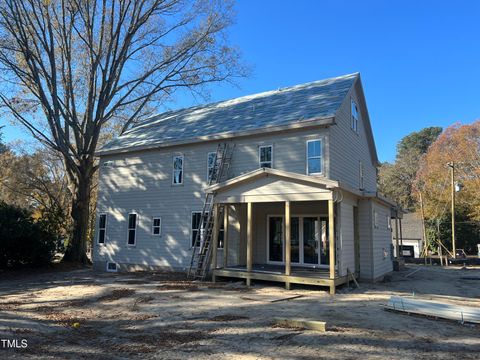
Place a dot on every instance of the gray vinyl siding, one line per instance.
(141, 182)
(347, 148)
(365, 235)
(345, 246)
(381, 241)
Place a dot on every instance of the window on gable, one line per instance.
(211, 157)
(102, 228)
(265, 156)
(195, 228)
(314, 157)
(132, 228)
(178, 169)
(156, 226)
(354, 124)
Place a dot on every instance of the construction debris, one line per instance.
(463, 314)
(301, 324)
(413, 272)
(271, 299)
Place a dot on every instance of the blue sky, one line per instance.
(419, 60)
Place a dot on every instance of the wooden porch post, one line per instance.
(401, 237)
(225, 235)
(397, 247)
(331, 240)
(215, 238)
(249, 242)
(288, 243)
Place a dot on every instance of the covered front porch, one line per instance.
(285, 229)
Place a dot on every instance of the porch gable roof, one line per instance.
(271, 185)
(265, 172)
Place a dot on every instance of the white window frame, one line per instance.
(220, 230)
(259, 156)
(361, 174)
(135, 228)
(208, 164)
(100, 229)
(389, 224)
(191, 240)
(321, 157)
(354, 119)
(112, 270)
(182, 170)
(301, 262)
(375, 219)
(159, 226)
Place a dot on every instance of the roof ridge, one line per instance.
(155, 118)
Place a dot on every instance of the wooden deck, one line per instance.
(276, 273)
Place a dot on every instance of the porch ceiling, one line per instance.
(271, 185)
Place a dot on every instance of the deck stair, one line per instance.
(202, 249)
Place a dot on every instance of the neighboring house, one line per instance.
(306, 150)
(410, 236)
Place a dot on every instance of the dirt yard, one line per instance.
(78, 314)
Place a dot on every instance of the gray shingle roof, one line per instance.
(412, 227)
(282, 107)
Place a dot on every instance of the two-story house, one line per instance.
(301, 200)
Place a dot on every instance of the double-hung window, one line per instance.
(132, 229)
(102, 228)
(196, 228)
(178, 170)
(211, 158)
(314, 157)
(265, 156)
(354, 119)
(157, 226)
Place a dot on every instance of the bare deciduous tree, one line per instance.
(73, 67)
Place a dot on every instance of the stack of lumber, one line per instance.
(435, 309)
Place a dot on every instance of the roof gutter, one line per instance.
(302, 124)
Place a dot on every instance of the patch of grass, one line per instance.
(116, 294)
(178, 285)
(228, 317)
(285, 336)
(11, 305)
(284, 326)
(64, 319)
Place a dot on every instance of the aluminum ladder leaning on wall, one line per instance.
(202, 249)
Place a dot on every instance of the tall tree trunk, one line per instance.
(77, 251)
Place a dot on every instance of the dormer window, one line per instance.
(354, 119)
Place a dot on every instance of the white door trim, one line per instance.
(300, 235)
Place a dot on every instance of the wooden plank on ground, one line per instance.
(434, 309)
(269, 298)
(301, 323)
(413, 272)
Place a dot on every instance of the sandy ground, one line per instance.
(79, 314)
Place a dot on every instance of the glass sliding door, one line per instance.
(275, 239)
(295, 239)
(311, 240)
(324, 243)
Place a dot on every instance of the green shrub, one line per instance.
(23, 241)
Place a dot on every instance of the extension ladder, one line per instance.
(202, 249)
